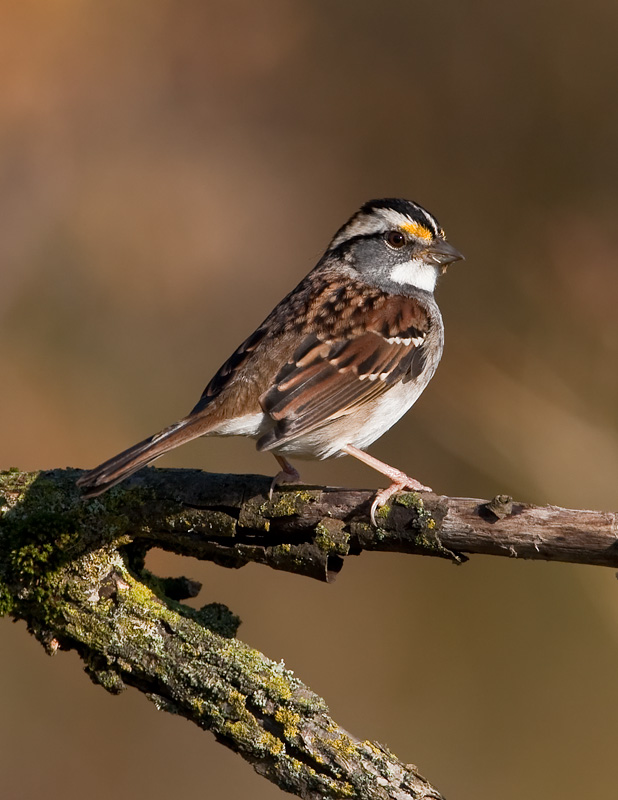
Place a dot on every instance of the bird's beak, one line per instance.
(443, 253)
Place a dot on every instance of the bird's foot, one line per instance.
(401, 483)
(287, 475)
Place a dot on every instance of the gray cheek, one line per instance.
(374, 259)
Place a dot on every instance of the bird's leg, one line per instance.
(400, 481)
(287, 475)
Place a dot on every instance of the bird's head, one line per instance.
(395, 242)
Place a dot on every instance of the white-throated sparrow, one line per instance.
(336, 363)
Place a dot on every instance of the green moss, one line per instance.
(214, 616)
(425, 526)
(323, 538)
(140, 622)
(257, 512)
(251, 515)
(287, 503)
(409, 500)
(108, 679)
(7, 603)
(331, 537)
(361, 530)
(424, 521)
(211, 523)
(13, 487)
(27, 559)
(38, 536)
(114, 513)
(82, 591)
(383, 512)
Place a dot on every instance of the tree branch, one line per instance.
(74, 570)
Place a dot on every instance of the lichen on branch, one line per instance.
(75, 573)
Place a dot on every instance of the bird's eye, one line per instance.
(395, 239)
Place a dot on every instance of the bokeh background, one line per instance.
(167, 172)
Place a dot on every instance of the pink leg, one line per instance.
(287, 475)
(399, 480)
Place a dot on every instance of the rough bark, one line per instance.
(74, 570)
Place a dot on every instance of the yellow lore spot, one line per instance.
(418, 230)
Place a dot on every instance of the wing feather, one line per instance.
(329, 377)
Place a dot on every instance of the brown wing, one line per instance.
(378, 344)
(289, 319)
(226, 373)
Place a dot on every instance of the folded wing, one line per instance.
(331, 376)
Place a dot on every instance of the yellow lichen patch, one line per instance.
(417, 230)
(343, 744)
(254, 737)
(331, 537)
(287, 503)
(289, 719)
(277, 687)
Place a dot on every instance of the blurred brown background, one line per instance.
(167, 172)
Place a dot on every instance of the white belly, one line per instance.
(360, 429)
(377, 417)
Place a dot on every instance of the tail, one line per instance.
(116, 469)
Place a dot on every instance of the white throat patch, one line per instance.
(416, 273)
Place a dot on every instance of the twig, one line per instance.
(74, 571)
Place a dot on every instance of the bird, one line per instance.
(336, 363)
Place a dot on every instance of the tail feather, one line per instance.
(116, 469)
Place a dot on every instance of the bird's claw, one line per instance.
(384, 495)
(285, 476)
